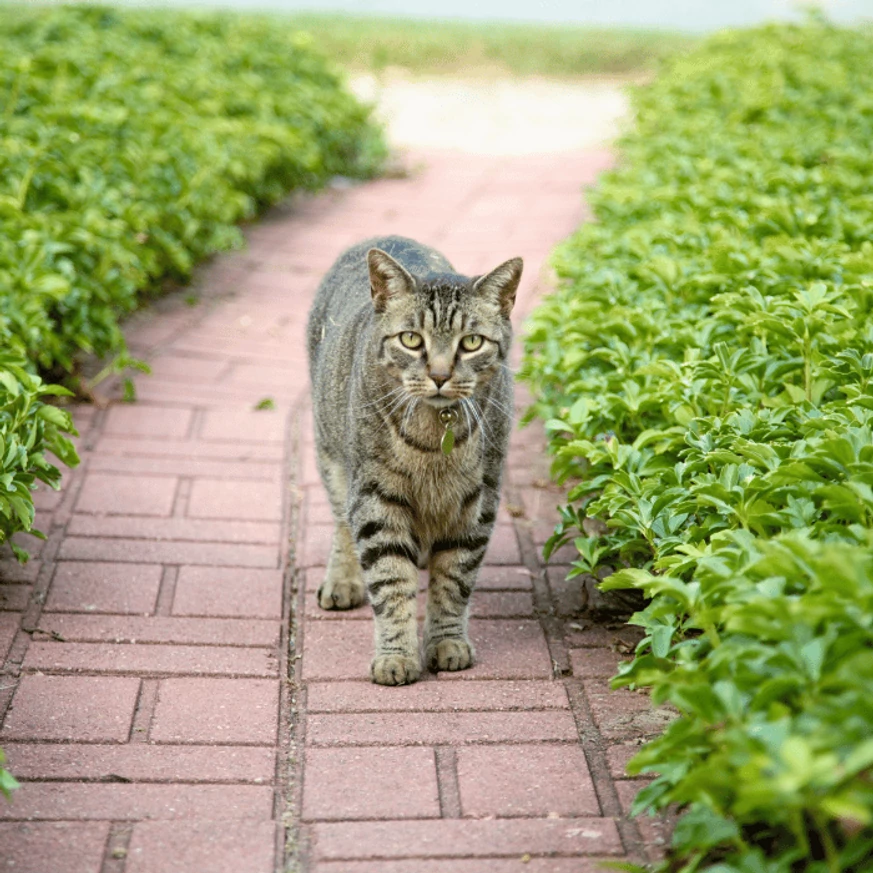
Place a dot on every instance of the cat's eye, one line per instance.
(411, 340)
(472, 342)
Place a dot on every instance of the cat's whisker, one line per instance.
(502, 407)
(484, 429)
(410, 410)
(379, 401)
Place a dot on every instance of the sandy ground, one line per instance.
(500, 116)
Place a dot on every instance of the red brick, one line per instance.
(337, 650)
(8, 629)
(158, 629)
(503, 548)
(465, 838)
(15, 598)
(72, 708)
(238, 499)
(144, 551)
(342, 784)
(595, 663)
(525, 781)
(98, 587)
(618, 757)
(655, 830)
(107, 494)
(146, 420)
(179, 529)
(185, 368)
(618, 637)
(243, 711)
(248, 425)
(621, 713)
(506, 649)
(45, 499)
(213, 591)
(13, 571)
(317, 507)
(519, 864)
(435, 728)
(54, 801)
(313, 546)
(149, 660)
(182, 847)
(490, 604)
(218, 469)
(432, 696)
(142, 762)
(507, 576)
(38, 847)
(192, 450)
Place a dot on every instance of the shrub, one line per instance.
(132, 142)
(131, 145)
(706, 373)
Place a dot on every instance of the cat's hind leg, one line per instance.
(343, 585)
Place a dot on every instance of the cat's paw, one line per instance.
(343, 594)
(450, 654)
(395, 669)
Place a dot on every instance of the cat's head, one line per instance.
(442, 335)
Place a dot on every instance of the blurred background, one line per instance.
(686, 15)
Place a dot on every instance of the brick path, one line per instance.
(159, 707)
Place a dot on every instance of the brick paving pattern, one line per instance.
(172, 699)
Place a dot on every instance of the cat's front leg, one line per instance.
(388, 556)
(454, 565)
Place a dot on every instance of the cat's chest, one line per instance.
(439, 486)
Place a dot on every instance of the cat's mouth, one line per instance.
(440, 401)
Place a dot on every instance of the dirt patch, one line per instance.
(496, 116)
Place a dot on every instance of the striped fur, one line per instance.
(386, 355)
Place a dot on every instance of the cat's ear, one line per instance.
(501, 284)
(388, 279)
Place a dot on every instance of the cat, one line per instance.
(412, 404)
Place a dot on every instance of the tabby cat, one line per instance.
(413, 407)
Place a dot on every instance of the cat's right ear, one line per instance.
(388, 279)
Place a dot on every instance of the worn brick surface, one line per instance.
(127, 495)
(525, 781)
(159, 629)
(104, 587)
(249, 499)
(148, 420)
(139, 551)
(219, 847)
(216, 711)
(60, 801)
(39, 847)
(452, 728)
(456, 838)
(149, 659)
(142, 762)
(85, 708)
(362, 783)
(219, 591)
(433, 696)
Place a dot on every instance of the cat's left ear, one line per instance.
(501, 284)
(388, 279)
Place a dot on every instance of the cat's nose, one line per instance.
(440, 379)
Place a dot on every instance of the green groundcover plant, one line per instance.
(706, 376)
(132, 143)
